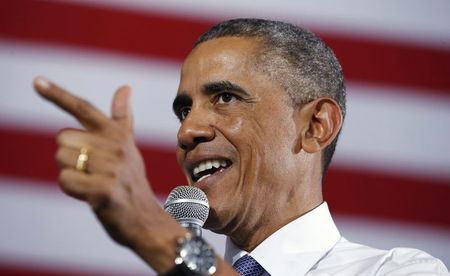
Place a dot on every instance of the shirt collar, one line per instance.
(296, 247)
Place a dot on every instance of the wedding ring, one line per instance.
(82, 160)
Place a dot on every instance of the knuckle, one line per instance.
(118, 150)
(64, 181)
(64, 177)
(103, 196)
(61, 136)
(105, 193)
(112, 171)
(66, 135)
(83, 106)
(115, 133)
(59, 156)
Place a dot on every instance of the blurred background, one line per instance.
(389, 184)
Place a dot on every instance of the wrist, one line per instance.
(156, 243)
(194, 257)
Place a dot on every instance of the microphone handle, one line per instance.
(195, 229)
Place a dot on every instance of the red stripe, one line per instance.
(155, 34)
(28, 270)
(371, 60)
(122, 31)
(395, 197)
(28, 154)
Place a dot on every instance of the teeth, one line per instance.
(207, 165)
(196, 171)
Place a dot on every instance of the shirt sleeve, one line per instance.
(406, 261)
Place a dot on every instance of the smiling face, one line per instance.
(238, 135)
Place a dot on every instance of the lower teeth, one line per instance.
(203, 177)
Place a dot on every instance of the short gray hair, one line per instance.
(299, 60)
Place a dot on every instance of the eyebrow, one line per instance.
(210, 88)
(222, 86)
(180, 101)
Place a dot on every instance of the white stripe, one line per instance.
(386, 128)
(396, 130)
(91, 75)
(41, 226)
(416, 21)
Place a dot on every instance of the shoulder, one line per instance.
(347, 258)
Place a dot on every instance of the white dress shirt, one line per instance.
(312, 245)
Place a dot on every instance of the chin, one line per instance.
(215, 222)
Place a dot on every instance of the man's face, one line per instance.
(237, 135)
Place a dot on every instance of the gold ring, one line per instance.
(82, 160)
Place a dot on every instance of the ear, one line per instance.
(319, 123)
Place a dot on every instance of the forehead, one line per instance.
(219, 59)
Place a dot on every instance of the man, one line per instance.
(261, 104)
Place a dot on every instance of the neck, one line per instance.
(299, 194)
(275, 216)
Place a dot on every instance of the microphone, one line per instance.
(189, 206)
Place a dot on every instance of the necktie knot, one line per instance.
(247, 266)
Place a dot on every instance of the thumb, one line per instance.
(121, 107)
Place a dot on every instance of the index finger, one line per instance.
(87, 114)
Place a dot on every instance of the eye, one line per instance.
(225, 98)
(183, 112)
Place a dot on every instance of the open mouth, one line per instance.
(207, 168)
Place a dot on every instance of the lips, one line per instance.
(207, 167)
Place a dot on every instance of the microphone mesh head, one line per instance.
(187, 204)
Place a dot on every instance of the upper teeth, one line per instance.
(207, 165)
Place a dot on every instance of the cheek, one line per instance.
(242, 132)
(234, 126)
(179, 156)
(272, 141)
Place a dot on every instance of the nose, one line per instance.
(196, 128)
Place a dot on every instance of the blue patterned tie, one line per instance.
(247, 266)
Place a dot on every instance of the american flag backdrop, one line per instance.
(389, 184)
